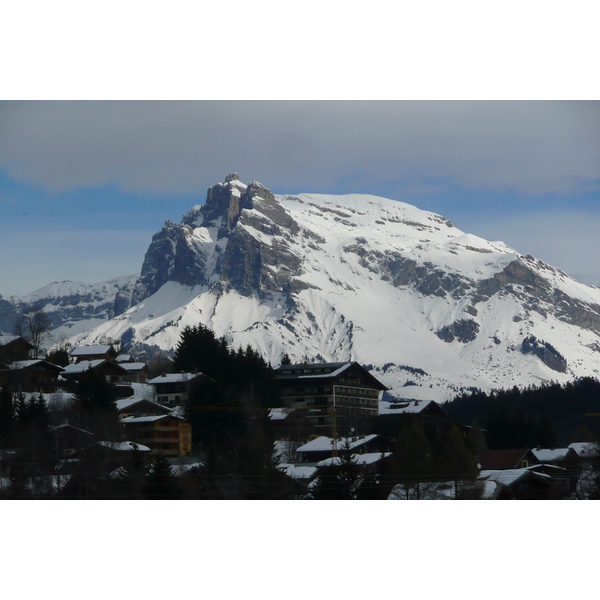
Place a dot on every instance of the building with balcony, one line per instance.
(164, 434)
(340, 399)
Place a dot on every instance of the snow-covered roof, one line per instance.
(297, 471)
(323, 443)
(123, 358)
(84, 365)
(360, 459)
(584, 448)
(126, 402)
(90, 350)
(23, 364)
(173, 378)
(71, 427)
(121, 446)
(550, 455)
(150, 419)
(133, 366)
(7, 339)
(510, 476)
(278, 414)
(404, 407)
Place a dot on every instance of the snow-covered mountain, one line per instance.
(74, 307)
(430, 309)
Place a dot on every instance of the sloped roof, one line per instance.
(173, 378)
(323, 443)
(583, 449)
(24, 364)
(6, 339)
(84, 365)
(133, 366)
(129, 402)
(509, 477)
(124, 446)
(408, 407)
(550, 455)
(360, 459)
(297, 471)
(505, 458)
(323, 371)
(91, 350)
(150, 419)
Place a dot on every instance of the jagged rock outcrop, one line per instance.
(225, 229)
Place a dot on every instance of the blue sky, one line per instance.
(84, 185)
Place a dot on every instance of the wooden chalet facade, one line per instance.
(32, 376)
(94, 352)
(164, 434)
(172, 389)
(338, 398)
(111, 371)
(14, 348)
(506, 458)
(140, 408)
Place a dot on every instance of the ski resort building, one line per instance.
(338, 398)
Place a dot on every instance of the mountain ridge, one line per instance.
(430, 309)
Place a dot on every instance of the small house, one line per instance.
(14, 348)
(166, 434)
(33, 376)
(93, 352)
(506, 458)
(111, 371)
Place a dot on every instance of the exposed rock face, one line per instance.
(68, 303)
(545, 352)
(464, 331)
(225, 229)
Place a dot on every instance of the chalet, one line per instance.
(95, 352)
(563, 457)
(138, 371)
(112, 371)
(32, 376)
(166, 434)
(428, 413)
(520, 484)
(506, 458)
(172, 389)
(140, 407)
(14, 348)
(335, 397)
(412, 407)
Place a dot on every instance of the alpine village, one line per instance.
(216, 422)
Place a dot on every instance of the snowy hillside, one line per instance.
(431, 309)
(74, 307)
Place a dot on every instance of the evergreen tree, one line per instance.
(7, 415)
(161, 484)
(59, 357)
(96, 401)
